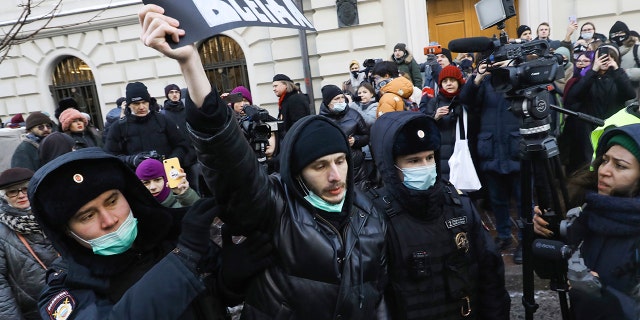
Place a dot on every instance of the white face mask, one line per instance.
(339, 106)
(587, 35)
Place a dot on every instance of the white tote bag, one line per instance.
(462, 173)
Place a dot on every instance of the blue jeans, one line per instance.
(502, 188)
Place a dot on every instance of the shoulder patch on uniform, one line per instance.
(61, 306)
(454, 222)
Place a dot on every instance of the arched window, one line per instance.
(73, 78)
(224, 63)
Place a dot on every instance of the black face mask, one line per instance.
(619, 37)
(355, 73)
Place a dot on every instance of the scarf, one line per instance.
(449, 95)
(613, 216)
(19, 220)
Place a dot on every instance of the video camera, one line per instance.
(256, 130)
(368, 67)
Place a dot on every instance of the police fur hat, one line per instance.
(417, 135)
(65, 184)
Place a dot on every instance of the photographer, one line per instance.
(497, 149)
(133, 137)
(609, 225)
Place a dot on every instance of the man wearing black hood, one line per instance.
(436, 237)
(124, 255)
(328, 238)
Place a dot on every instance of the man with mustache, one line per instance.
(327, 237)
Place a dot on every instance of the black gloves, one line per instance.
(135, 159)
(196, 223)
(240, 262)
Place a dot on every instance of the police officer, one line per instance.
(442, 262)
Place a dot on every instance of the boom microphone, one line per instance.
(551, 249)
(472, 44)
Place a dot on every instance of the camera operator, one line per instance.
(609, 225)
(497, 149)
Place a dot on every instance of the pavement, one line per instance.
(547, 300)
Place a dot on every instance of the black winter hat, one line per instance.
(37, 118)
(401, 46)
(447, 54)
(137, 91)
(522, 29)
(329, 92)
(170, 87)
(14, 176)
(316, 140)
(120, 101)
(417, 135)
(281, 77)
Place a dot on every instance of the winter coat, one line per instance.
(26, 153)
(611, 244)
(175, 111)
(21, 276)
(140, 283)
(367, 111)
(498, 145)
(447, 126)
(408, 65)
(321, 272)
(86, 139)
(353, 125)
(293, 107)
(133, 134)
(427, 209)
(393, 95)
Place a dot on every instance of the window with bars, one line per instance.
(224, 63)
(73, 78)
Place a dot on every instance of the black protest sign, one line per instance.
(204, 18)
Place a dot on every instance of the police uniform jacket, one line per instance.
(320, 272)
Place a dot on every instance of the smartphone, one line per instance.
(233, 97)
(573, 19)
(603, 51)
(437, 49)
(172, 169)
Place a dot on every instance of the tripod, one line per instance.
(540, 163)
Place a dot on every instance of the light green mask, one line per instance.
(319, 203)
(115, 242)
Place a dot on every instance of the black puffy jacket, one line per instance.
(320, 272)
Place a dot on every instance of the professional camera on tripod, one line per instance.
(256, 130)
(525, 73)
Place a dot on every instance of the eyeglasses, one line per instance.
(15, 192)
(583, 60)
(42, 126)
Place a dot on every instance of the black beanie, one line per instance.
(401, 46)
(14, 176)
(417, 135)
(169, 88)
(329, 92)
(137, 91)
(120, 101)
(317, 139)
(447, 54)
(522, 29)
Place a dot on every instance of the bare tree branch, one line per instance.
(15, 34)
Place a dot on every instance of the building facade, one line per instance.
(98, 51)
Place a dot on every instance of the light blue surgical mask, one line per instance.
(339, 106)
(419, 178)
(115, 242)
(319, 203)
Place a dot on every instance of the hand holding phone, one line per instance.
(173, 171)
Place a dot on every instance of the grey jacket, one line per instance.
(21, 276)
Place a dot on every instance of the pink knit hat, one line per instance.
(67, 116)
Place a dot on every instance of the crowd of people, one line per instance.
(347, 214)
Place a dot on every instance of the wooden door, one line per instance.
(453, 19)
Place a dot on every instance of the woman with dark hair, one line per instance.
(607, 232)
(367, 104)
